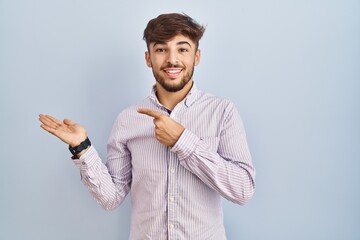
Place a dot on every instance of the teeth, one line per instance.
(173, 71)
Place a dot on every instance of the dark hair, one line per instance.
(167, 26)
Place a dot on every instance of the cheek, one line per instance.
(156, 66)
(156, 62)
(190, 63)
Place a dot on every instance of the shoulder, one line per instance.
(130, 114)
(213, 100)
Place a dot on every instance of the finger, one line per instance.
(54, 132)
(150, 112)
(48, 121)
(56, 121)
(47, 128)
(156, 123)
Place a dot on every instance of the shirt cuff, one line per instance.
(88, 159)
(185, 145)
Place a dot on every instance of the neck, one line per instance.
(171, 99)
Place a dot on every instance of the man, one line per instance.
(177, 152)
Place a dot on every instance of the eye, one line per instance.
(183, 50)
(160, 50)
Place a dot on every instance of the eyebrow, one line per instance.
(164, 43)
(159, 42)
(184, 42)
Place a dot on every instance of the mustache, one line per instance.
(169, 65)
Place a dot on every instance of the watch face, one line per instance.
(78, 149)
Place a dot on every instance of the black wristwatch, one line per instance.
(84, 145)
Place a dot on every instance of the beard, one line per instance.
(174, 87)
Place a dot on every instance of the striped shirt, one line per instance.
(175, 191)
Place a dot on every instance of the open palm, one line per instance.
(69, 132)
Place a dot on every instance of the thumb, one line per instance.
(68, 122)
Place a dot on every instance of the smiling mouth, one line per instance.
(173, 72)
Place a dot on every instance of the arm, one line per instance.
(227, 168)
(108, 184)
(223, 163)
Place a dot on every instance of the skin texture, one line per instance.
(172, 63)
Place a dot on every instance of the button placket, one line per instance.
(172, 184)
(171, 197)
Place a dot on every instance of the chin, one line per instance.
(172, 84)
(173, 88)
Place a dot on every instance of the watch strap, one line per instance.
(83, 145)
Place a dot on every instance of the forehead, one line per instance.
(175, 41)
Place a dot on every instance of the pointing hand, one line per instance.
(167, 130)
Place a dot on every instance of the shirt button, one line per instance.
(172, 170)
(83, 163)
(172, 199)
(171, 226)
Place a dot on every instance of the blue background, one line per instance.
(291, 67)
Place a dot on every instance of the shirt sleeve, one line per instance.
(108, 184)
(223, 162)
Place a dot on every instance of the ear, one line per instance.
(197, 57)
(147, 59)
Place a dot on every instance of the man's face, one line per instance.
(173, 62)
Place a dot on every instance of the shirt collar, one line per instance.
(188, 100)
(191, 96)
(153, 95)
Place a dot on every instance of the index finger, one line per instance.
(150, 112)
(47, 119)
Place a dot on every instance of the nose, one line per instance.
(172, 57)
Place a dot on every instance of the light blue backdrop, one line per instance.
(291, 67)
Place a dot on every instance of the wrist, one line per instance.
(77, 142)
(81, 148)
(82, 152)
